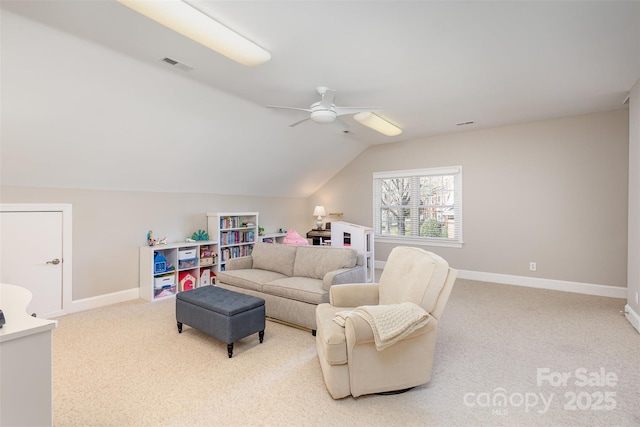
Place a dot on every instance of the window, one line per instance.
(420, 205)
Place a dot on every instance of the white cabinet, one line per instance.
(360, 238)
(26, 390)
(272, 237)
(236, 232)
(176, 267)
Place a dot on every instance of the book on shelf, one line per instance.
(235, 237)
(235, 252)
(229, 222)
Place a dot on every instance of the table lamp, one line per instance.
(319, 212)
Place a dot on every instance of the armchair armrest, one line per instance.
(358, 331)
(354, 294)
(241, 263)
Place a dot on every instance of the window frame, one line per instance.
(415, 174)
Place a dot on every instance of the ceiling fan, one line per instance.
(325, 111)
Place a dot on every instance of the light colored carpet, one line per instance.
(126, 365)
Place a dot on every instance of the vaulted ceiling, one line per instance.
(88, 103)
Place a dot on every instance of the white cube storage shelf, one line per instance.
(163, 266)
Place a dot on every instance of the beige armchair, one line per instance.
(349, 357)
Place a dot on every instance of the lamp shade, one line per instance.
(377, 123)
(319, 211)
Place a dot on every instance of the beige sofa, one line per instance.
(292, 280)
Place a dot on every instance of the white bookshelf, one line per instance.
(236, 232)
(361, 239)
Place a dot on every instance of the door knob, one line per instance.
(54, 261)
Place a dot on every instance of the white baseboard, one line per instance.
(102, 300)
(632, 317)
(534, 282)
(556, 285)
(506, 279)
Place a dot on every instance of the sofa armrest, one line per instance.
(356, 274)
(242, 263)
(354, 294)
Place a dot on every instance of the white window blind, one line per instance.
(419, 205)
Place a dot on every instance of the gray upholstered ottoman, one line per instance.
(225, 315)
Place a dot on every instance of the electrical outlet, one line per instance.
(532, 266)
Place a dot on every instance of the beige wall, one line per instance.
(634, 199)
(109, 226)
(553, 192)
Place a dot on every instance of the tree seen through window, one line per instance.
(422, 205)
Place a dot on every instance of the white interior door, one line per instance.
(31, 257)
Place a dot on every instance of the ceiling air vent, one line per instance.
(464, 123)
(177, 64)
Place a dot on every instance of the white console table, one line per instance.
(26, 367)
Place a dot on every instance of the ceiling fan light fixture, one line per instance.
(323, 116)
(377, 123)
(190, 22)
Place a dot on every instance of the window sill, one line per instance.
(417, 241)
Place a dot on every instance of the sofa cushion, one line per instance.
(278, 258)
(316, 261)
(302, 289)
(249, 279)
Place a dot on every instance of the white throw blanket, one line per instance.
(389, 323)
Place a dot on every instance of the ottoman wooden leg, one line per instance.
(230, 350)
(261, 336)
(179, 327)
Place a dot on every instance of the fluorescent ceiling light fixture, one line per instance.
(191, 23)
(377, 123)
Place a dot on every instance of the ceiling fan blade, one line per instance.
(299, 121)
(327, 98)
(352, 110)
(289, 108)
